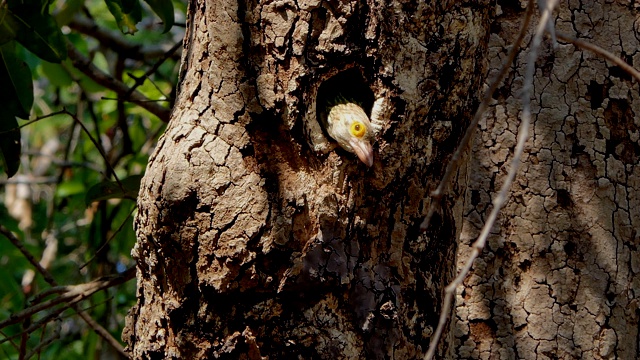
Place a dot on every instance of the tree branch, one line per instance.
(601, 52)
(84, 64)
(45, 342)
(114, 41)
(70, 294)
(79, 290)
(18, 244)
(140, 80)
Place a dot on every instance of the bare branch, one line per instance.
(154, 68)
(103, 246)
(100, 330)
(36, 325)
(10, 340)
(114, 41)
(34, 120)
(44, 343)
(91, 288)
(30, 180)
(18, 244)
(98, 147)
(83, 64)
(603, 53)
(70, 294)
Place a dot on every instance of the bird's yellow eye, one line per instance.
(358, 129)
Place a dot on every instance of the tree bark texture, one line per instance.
(255, 237)
(560, 277)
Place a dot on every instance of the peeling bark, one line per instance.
(559, 279)
(257, 238)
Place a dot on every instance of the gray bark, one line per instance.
(559, 279)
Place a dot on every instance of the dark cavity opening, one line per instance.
(346, 86)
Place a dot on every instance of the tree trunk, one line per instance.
(256, 237)
(560, 277)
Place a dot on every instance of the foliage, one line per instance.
(73, 169)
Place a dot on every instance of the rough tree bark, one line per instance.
(560, 278)
(255, 238)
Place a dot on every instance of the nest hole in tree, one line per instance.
(347, 85)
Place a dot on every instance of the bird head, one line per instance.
(349, 125)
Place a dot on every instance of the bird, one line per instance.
(349, 125)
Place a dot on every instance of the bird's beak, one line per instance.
(364, 150)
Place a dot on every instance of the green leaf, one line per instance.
(56, 74)
(164, 10)
(111, 190)
(16, 92)
(9, 143)
(126, 19)
(8, 26)
(39, 33)
(69, 9)
(69, 188)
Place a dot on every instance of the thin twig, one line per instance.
(36, 325)
(454, 163)
(127, 275)
(602, 52)
(23, 343)
(109, 239)
(133, 77)
(84, 128)
(33, 120)
(44, 343)
(54, 290)
(71, 295)
(18, 244)
(10, 340)
(501, 198)
(83, 64)
(153, 69)
(29, 181)
(100, 330)
(98, 147)
(114, 40)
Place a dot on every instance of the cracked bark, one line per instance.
(254, 237)
(560, 277)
